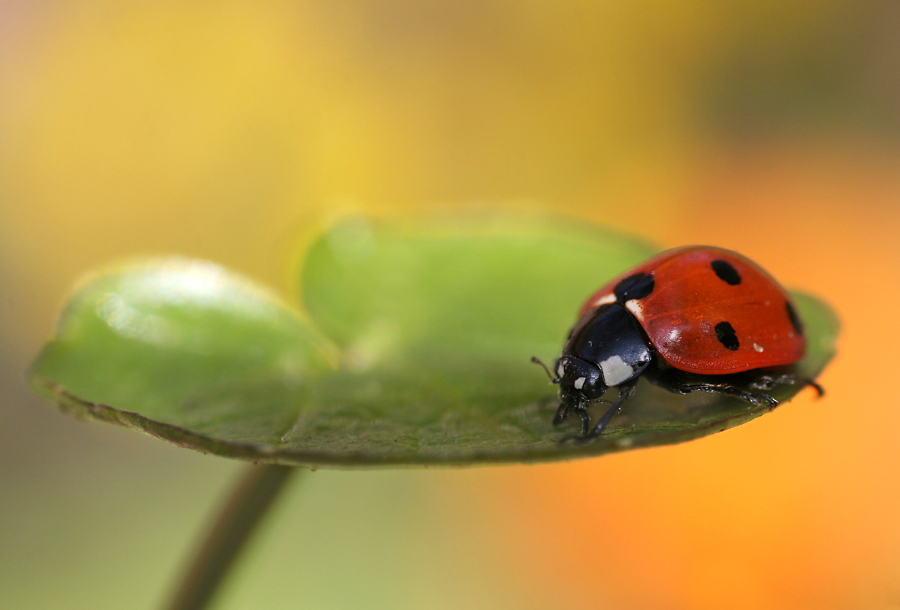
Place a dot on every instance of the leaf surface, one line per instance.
(413, 347)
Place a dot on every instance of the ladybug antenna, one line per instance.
(537, 360)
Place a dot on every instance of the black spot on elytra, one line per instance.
(795, 319)
(635, 286)
(726, 272)
(726, 336)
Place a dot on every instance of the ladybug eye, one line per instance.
(560, 370)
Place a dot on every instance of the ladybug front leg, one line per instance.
(585, 421)
(626, 391)
(561, 413)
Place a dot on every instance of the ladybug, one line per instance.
(696, 318)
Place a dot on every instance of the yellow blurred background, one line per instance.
(223, 129)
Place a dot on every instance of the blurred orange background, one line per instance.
(222, 130)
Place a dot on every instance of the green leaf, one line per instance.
(430, 327)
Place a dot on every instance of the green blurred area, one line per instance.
(225, 130)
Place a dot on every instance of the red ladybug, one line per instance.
(693, 318)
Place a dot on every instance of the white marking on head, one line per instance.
(579, 383)
(560, 370)
(634, 306)
(615, 370)
(758, 347)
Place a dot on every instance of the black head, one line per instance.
(579, 381)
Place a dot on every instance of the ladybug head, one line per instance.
(579, 381)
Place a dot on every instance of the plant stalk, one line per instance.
(253, 496)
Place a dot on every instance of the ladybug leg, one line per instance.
(561, 413)
(820, 391)
(586, 432)
(756, 398)
(626, 391)
(585, 424)
(585, 421)
(767, 382)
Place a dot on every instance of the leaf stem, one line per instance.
(248, 504)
